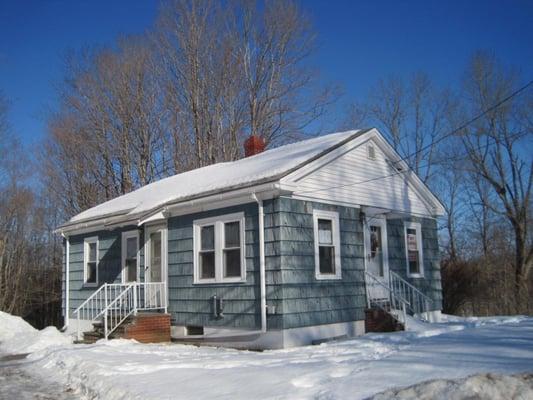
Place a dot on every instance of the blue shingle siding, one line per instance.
(305, 301)
(291, 287)
(191, 304)
(109, 269)
(430, 284)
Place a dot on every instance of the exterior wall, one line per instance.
(109, 253)
(191, 304)
(294, 297)
(300, 299)
(343, 175)
(430, 284)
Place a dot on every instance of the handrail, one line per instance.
(395, 275)
(114, 315)
(398, 304)
(119, 300)
(417, 302)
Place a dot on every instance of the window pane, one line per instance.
(414, 265)
(232, 263)
(208, 237)
(91, 272)
(131, 247)
(131, 269)
(327, 259)
(207, 265)
(325, 229)
(232, 234)
(92, 252)
(376, 251)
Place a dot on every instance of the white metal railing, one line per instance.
(417, 302)
(114, 302)
(392, 303)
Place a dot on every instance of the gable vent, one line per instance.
(371, 151)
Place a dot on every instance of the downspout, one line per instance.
(262, 278)
(67, 281)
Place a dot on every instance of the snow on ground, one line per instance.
(482, 386)
(356, 369)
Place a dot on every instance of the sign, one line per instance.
(411, 242)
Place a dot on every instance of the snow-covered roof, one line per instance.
(267, 166)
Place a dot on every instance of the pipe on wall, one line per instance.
(262, 277)
(67, 281)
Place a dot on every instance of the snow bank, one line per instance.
(483, 386)
(17, 336)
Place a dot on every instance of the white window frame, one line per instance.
(418, 228)
(86, 242)
(125, 236)
(219, 222)
(334, 218)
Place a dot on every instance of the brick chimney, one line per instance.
(253, 145)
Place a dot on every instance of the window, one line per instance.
(90, 261)
(219, 249)
(130, 256)
(413, 249)
(327, 245)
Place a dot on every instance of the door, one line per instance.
(376, 256)
(155, 269)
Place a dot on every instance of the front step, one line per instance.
(143, 327)
(378, 320)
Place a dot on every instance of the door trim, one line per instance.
(380, 221)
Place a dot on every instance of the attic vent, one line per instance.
(371, 152)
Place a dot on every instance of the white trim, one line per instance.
(418, 228)
(218, 223)
(334, 218)
(86, 242)
(125, 236)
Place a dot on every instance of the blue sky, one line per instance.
(359, 42)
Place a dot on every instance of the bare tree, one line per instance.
(109, 136)
(413, 115)
(497, 149)
(234, 70)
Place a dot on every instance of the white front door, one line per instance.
(155, 261)
(376, 255)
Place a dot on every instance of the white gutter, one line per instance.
(262, 278)
(67, 282)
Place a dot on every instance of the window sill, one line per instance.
(415, 276)
(89, 285)
(223, 282)
(328, 277)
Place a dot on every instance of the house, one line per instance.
(285, 247)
